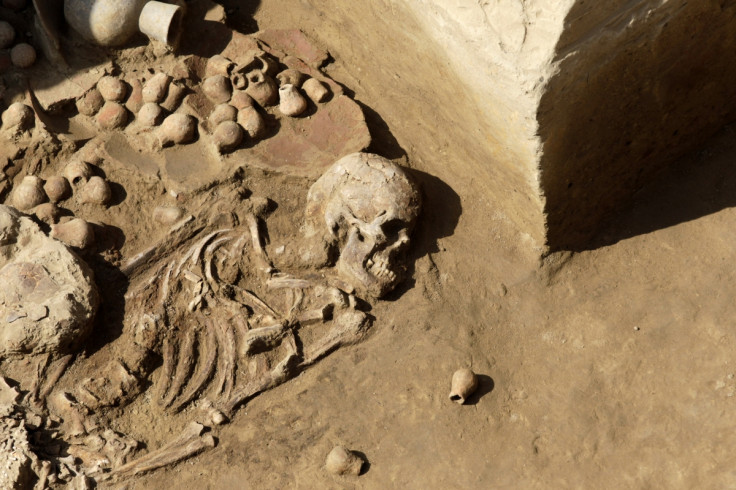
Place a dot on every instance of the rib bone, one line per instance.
(183, 368)
(167, 371)
(208, 350)
(226, 363)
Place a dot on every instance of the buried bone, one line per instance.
(190, 442)
(365, 206)
(250, 327)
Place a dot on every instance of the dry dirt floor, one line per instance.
(611, 367)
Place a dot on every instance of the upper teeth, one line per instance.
(380, 268)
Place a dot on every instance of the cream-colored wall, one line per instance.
(503, 50)
(592, 98)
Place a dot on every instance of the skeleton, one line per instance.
(226, 325)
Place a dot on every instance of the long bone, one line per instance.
(165, 287)
(190, 442)
(349, 328)
(178, 234)
(255, 236)
(33, 395)
(282, 281)
(268, 380)
(195, 251)
(264, 338)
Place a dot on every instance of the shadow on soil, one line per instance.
(441, 206)
(485, 386)
(695, 186)
(366, 464)
(441, 210)
(240, 14)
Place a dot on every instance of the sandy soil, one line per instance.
(608, 368)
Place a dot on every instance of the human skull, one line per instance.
(365, 208)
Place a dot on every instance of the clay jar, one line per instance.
(105, 22)
(342, 461)
(464, 384)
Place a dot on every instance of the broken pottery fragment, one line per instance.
(342, 461)
(464, 384)
(316, 90)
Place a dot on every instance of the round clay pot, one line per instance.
(104, 22)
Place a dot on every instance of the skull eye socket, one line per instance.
(392, 228)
